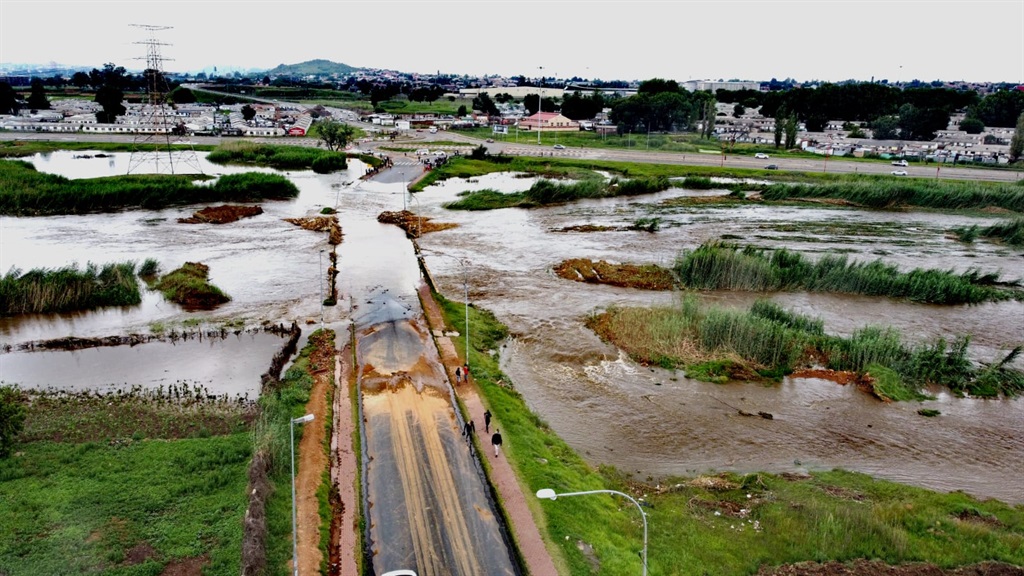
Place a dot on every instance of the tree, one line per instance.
(110, 98)
(37, 98)
(972, 126)
(462, 111)
(334, 135)
(1017, 142)
(738, 111)
(483, 103)
(248, 112)
(182, 95)
(12, 418)
(780, 125)
(999, 109)
(8, 99)
(708, 118)
(657, 85)
(885, 127)
(80, 79)
(791, 130)
(921, 123)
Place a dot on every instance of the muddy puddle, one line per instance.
(228, 366)
(652, 422)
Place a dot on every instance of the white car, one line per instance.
(399, 573)
(899, 163)
(761, 156)
(899, 172)
(559, 147)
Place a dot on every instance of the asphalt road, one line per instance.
(834, 165)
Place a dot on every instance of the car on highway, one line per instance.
(489, 140)
(772, 167)
(399, 573)
(899, 163)
(559, 147)
(761, 156)
(899, 172)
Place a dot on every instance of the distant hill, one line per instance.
(312, 67)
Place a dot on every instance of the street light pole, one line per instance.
(540, 90)
(465, 284)
(321, 296)
(295, 529)
(548, 493)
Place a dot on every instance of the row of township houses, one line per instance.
(949, 145)
(80, 116)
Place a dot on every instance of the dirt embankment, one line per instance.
(221, 214)
(327, 224)
(76, 343)
(414, 226)
(643, 276)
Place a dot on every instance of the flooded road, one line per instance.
(654, 423)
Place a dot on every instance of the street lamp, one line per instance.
(321, 288)
(465, 284)
(550, 494)
(295, 530)
(540, 90)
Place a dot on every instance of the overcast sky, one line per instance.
(898, 40)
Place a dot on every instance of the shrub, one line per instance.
(12, 418)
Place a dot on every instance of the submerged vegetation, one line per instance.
(729, 523)
(725, 266)
(189, 286)
(42, 291)
(278, 156)
(720, 266)
(1011, 232)
(545, 192)
(723, 344)
(26, 192)
(921, 193)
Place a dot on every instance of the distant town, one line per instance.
(940, 121)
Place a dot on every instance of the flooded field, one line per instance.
(653, 422)
(649, 422)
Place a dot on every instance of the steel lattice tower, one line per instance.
(161, 139)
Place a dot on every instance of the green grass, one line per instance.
(68, 289)
(189, 287)
(26, 192)
(721, 266)
(81, 508)
(829, 516)
(546, 192)
(278, 156)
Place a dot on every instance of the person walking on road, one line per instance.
(458, 374)
(468, 431)
(487, 421)
(465, 372)
(496, 441)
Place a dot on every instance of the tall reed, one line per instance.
(722, 266)
(26, 192)
(67, 289)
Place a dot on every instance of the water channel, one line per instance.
(649, 422)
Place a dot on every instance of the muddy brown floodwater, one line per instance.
(653, 422)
